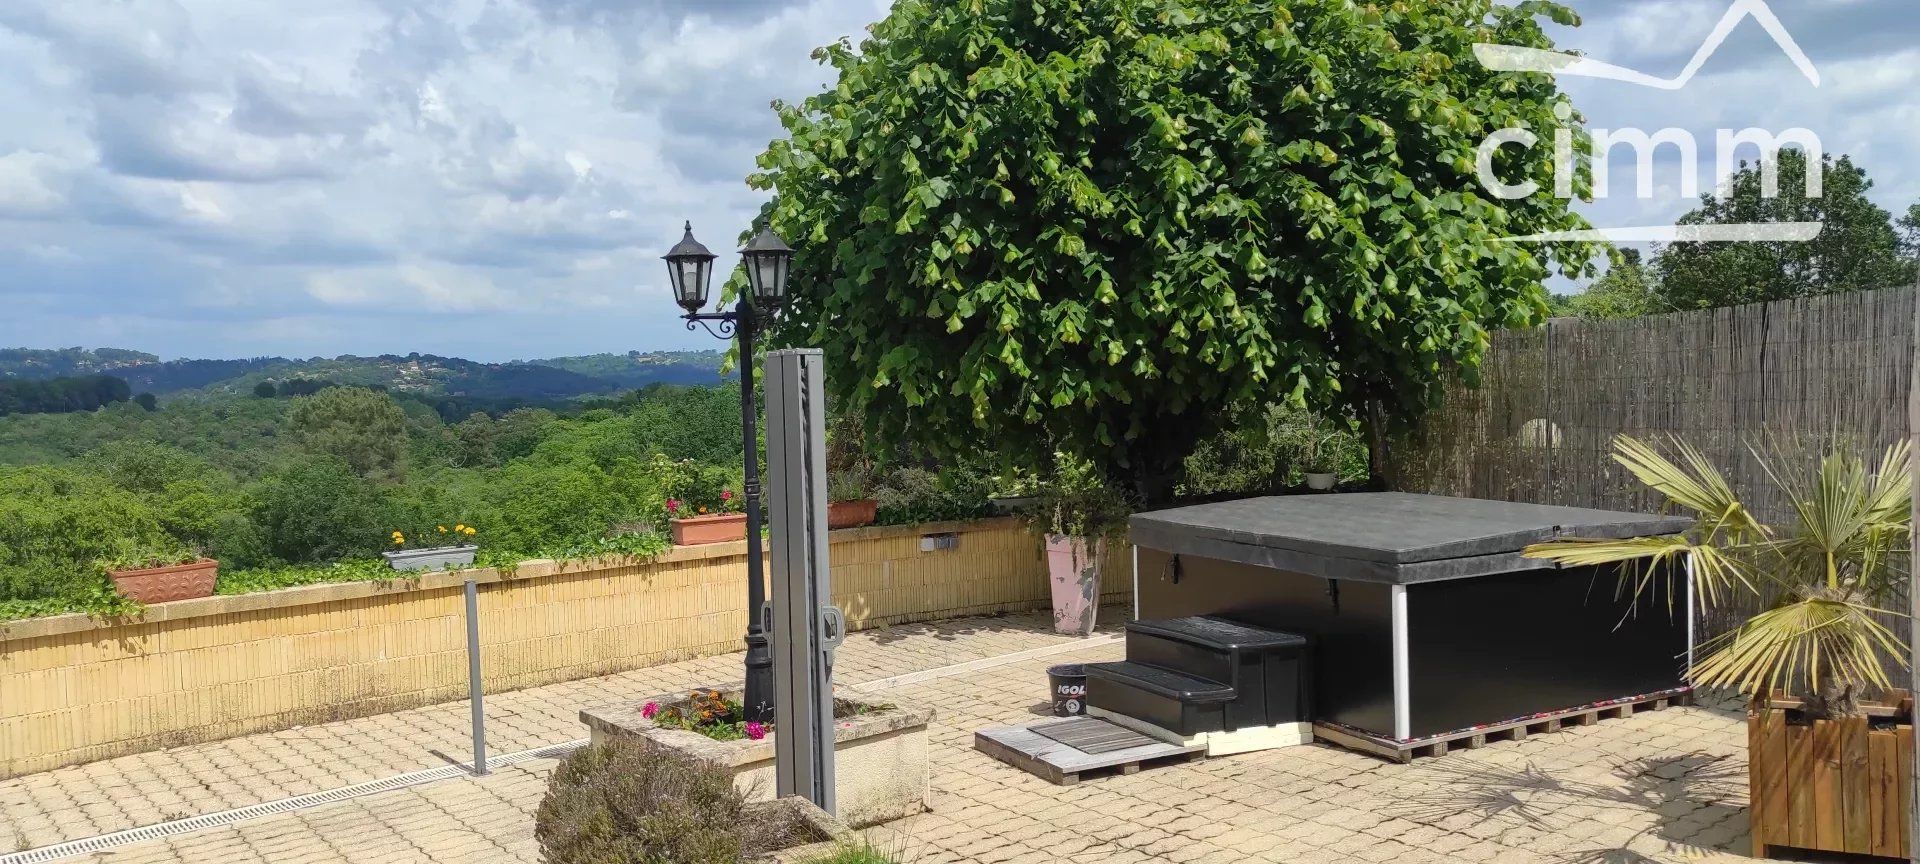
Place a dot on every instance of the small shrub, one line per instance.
(628, 802)
(857, 852)
(911, 496)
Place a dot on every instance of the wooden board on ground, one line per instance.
(1026, 748)
(1469, 739)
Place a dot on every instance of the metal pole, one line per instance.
(759, 701)
(1913, 591)
(476, 693)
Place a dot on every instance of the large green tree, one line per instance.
(1626, 291)
(1857, 250)
(1098, 225)
(365, 429)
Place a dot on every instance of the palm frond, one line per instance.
(1645, 560)
(1799, 646)
(1699, 486)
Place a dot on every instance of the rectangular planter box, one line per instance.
(439, 558)
(167, 584)
(1829, 785)
(702, 530)
(880, 758)
(852, 514)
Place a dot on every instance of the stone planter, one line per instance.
(702, 530)
(1322, 481)
(852, 514)
(816, 833)
(880, 767)
(1011, 505)
(166, 584)
(1073, 572)
(437, 558)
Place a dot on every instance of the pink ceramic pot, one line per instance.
(1073, 571)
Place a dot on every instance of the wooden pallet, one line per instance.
(1123, 751)
(1473, 739)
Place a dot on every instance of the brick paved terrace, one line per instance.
(1662, 786)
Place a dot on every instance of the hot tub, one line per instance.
(1425, 619)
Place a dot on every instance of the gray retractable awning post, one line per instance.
(805, 626)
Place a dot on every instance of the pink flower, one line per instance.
(673, 505)
(649, 710)
(726, 494)
(755, 730)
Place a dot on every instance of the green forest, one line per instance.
(288, 490)
(305, 480)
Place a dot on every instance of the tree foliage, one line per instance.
(1098, 224)
(1626, 291)
(365, 429)
(1858, 250)
(61, 395)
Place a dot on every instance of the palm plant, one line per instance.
(1821, 579)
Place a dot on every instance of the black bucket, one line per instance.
(1068, 682)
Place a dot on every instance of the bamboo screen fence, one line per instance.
(1793, 375)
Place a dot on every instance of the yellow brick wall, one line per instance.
(75, 690)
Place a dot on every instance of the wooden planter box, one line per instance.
(167, 584)
(1829, 785)
(701, 530)
(852, 514)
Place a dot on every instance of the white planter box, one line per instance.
(880, 757)
(439, 558)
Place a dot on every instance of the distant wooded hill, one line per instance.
(534, 380)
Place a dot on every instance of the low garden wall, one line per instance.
(74, 689)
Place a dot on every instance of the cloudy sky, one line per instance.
(497, 178)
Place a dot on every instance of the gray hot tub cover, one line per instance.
(1394, 537)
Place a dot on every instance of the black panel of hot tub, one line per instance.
(1499, 647)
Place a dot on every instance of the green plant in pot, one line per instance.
(160, 572)
(1078, 511)
(1316, 451)
(1817, 653)
(850, 497)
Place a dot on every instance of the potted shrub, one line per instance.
(452, 549)
(1824, 722)
(697, 521)
(162, 574)
(1316, 449)
(1078, 512)
(1016, 492)
(850, 501)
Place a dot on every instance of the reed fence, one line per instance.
(1793, 376)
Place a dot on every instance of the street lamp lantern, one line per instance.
(690, 266)
(768, 260)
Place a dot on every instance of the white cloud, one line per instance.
(235, 177)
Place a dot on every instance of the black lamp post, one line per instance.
(767, 260)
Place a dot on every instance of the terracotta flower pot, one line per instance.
(167, 584)
(1073, 571)
(852, 514)
(717, 528)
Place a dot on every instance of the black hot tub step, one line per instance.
(1218, 634)
(1164, 683)
(1164, 698)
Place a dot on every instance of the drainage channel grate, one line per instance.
(273, 808)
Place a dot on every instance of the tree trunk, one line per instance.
(1379, 455)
